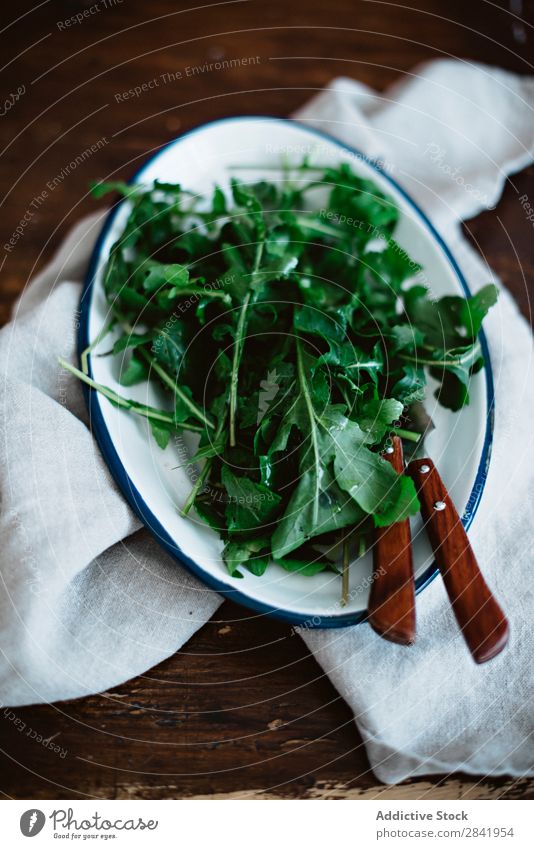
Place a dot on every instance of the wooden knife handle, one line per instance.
(392, 597)
(483, 624)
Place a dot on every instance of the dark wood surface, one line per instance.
(243, 709)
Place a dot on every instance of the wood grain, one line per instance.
(392, 595)
(483, 624)
(243, 708)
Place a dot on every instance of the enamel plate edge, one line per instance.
(149, 479)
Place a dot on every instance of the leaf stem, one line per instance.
(196, 487)
(204, 293)
(127, 403)
(166, 378)
(204, 472)
(468, 356)
(365, 364)
(313, 427)
(410, 435)
(345, 571)
(236, 361)
(317, 226)
(85, 353)
(238, 347)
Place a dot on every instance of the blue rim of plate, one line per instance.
(132, 494)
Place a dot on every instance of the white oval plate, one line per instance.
(149, 478)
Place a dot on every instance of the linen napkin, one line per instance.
(78, 575)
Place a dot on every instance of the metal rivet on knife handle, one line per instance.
(483, 624)
(392, 597)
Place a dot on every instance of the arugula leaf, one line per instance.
(254, 554)
(317, 505)
(250, 505)
(169, 346)
(135, 372)
(373, 483)
(361, 201)
(304, 567)
(376, 416)
(131, 340)
(410, 385)
(391, 266)
(99, 189)
(162, 435)
(451, 322)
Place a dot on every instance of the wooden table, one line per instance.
(242, 710)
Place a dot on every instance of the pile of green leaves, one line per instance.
(294, 338)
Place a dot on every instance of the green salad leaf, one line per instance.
(291, 332)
